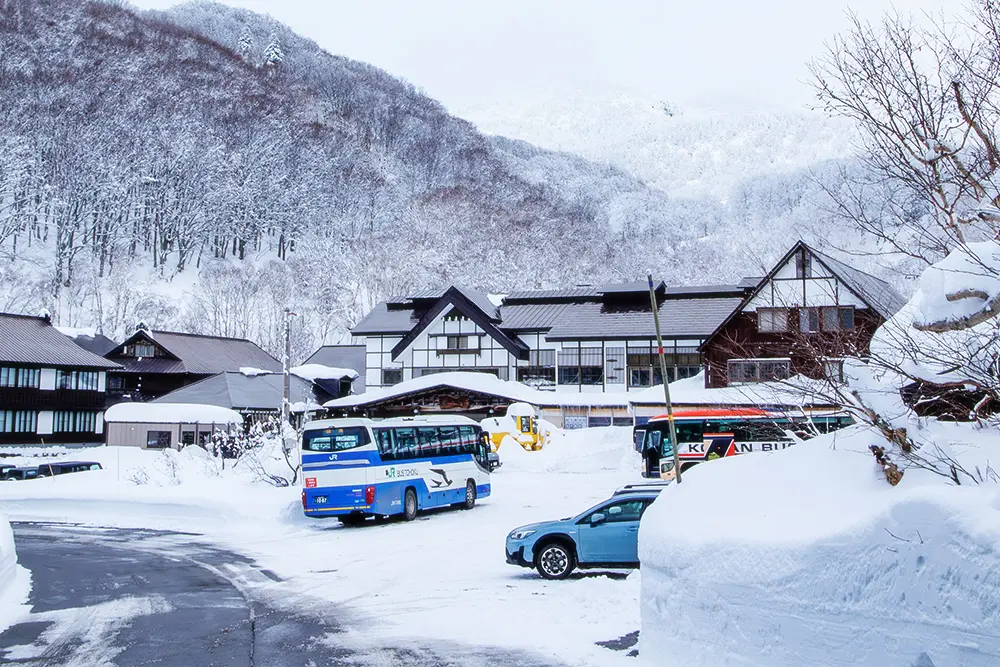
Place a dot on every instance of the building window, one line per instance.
(144, 350)
(541, 369)
(614, 362)
(74, 422)
(20, 377)
(391, 376)
(81, 380)
(18, 421)
(803, 265)
(115, 383)
(809, 320)
(758, 370)
(772, 320)
(157, 439)
(581, 366)
(833, 370)
(838, 318)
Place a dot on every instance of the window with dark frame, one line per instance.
(803, 265)
(27, 378)
(581, 366)
(541, 369)
(18, 421)
(809, 320)
(772, 320)
(158, 439)
(758, 370)
(392, 376)
(144, 350)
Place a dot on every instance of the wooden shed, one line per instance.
(167, 425)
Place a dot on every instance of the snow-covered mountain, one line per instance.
(686, 153)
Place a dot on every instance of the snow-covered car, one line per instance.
(604, 536)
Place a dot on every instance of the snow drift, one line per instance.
(14, 581)
(808, 557)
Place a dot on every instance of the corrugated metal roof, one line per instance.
(716, 290)
(214, 354)
(634, 287)
(879, 294)
(482, 301)
(532, 316)
(384, 320)
(199, 355)
(343, 356)
(679, 318)
(567, 293)
(33, 340)
(241, 392)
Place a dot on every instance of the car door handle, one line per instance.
(633, 529)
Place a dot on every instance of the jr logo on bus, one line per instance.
(396, 473)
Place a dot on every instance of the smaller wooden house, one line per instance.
(808, 314)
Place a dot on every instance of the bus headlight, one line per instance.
(521, 534)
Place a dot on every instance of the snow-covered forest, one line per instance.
(206, 167)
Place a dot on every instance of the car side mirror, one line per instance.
(597, 519)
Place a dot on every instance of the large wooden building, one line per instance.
(808, 313)
(52, 391)
(151, 364)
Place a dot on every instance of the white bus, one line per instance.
(357, 468)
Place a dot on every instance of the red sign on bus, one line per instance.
(310, 482)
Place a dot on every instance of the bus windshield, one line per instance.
(335, 439)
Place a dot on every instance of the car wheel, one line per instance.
(409, 505)
(555, 561)
(470, 495)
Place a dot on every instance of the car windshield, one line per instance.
(335, 439)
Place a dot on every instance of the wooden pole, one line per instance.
(663, 374)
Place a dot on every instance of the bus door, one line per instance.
(652, 447)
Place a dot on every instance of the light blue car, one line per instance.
(605, 536)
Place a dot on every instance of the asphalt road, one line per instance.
(130, 598)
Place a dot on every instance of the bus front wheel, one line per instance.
(409, 505)
(470, 495)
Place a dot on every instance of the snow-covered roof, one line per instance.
(482, 383)
(313, 372)
(171, 413)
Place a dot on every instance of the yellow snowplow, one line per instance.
(519, 423)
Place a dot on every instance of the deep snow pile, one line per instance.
(809, 557)
(14, 579)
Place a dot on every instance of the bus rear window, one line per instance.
(335, 439)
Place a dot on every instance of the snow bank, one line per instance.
(582, 451)
(808, 557)
(171, 413)
(14, 580)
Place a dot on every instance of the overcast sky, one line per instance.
(471, 54)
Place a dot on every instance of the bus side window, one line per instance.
(384, 438)
(430, 443)
(690, 432)
(470, 439)
(451, 443)
(406, 443)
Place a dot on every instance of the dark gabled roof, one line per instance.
(485, 319)
(679, 318)
(197, 354)
(343, 356)
(242, 392)
(877, 293)
(97, 343)
(385, 319)
(533, 316)
(33, 340)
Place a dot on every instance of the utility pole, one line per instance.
(286, 368)
(663, 374)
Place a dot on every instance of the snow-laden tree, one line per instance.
(245, 44)
(273, 55)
